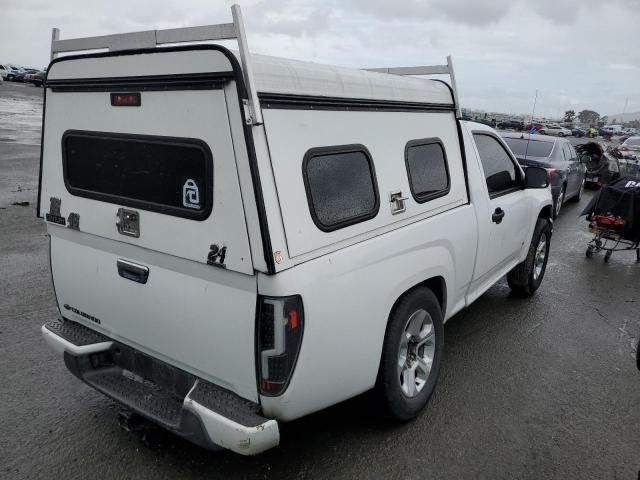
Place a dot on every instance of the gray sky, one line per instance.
(578, 53)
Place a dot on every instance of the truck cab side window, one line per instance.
(499, 170)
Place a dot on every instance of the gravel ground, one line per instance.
(530, 388)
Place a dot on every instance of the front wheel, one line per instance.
(411, 355)
(526, 277)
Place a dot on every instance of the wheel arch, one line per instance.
(437, 284)
(546, 212)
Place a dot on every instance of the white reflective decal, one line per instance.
(190, 194)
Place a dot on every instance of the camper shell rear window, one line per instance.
(167, 175)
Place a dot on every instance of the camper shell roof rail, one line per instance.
(428, 70)
(224, 31)
(154, 38)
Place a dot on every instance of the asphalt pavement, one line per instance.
(538, 388)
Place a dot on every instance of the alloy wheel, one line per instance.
(540, 257)
(416, 353)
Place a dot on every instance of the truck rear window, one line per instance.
(531, 148)
(161, 174)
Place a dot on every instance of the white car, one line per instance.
(4, 70)
(290, 236)
(556, 130)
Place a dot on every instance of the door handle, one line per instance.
(133, 271)
(498, 215)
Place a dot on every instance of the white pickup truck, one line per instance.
(239, 240)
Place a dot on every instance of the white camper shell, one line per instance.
(239, 239)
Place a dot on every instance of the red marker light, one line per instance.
(552, 172)
(293, 319)
(126, 100)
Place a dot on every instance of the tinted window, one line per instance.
(162, 174)
(567, 152)
(531, 148)
(341, 186)
(499, 170)
(427, 169)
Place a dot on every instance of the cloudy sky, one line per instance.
(577, 53)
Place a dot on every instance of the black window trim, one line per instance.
(324, 151)
(517, 166)
(141, 204)
(417, 143)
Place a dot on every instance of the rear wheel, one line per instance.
(560, 134)
(527, 276)
(411, 355)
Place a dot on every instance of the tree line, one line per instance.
(590, 117)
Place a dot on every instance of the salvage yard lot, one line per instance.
(530, 388)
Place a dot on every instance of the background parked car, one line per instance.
(13, 71)
(510, 124)
(630, 151)
(603, 165)
(485, 121)
(37, 78)
(20, 77)
(578, 132)
(630, 146)
(555, 130)
(4, 70)
(558, 157)
(529, 126)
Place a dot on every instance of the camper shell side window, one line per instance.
(341, 187)
(427, 169)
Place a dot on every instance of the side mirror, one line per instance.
(536, 177)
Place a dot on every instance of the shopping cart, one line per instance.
(614, 218)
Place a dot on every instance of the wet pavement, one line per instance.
(535, 388)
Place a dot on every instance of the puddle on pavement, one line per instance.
(20, 120)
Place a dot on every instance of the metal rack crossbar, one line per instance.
(154, 38)
(223, 31)
(428, 70)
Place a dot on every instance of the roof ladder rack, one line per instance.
(154, 38)
(428, 70)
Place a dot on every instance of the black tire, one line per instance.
(388, 392)
(557, 206)
(542, 132)
(560, 134)
(523, 279)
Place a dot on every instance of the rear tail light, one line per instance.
(552, 172)
(280, 327)
(624, 148)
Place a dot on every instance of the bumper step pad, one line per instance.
(75, 333)
(140, 395)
